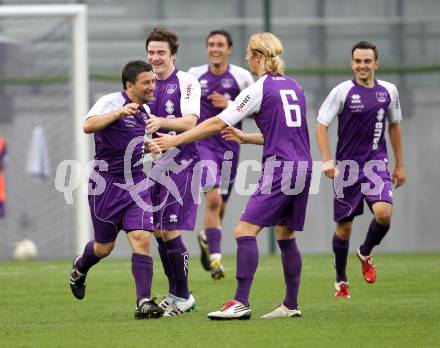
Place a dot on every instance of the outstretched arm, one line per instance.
(235, 134)
(179, 124)
(204, 130)
(395, 133)
(96, 123)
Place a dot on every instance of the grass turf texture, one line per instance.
(401, 309)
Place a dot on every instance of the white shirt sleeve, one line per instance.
(332, 106)
(198, 71)
(394, 110)
(242, 76)
(108, 103)
(247, 103)
(190, 93)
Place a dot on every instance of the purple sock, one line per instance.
(247, 263)
(178, 257)
(142, 270)
(340, 248)
(87, 259)
(161, 246)
(375, 234)
(292, 263)
(213, 237)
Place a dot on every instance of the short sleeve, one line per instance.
(190, 93)
(247, 103)
(394, 111)
(331, 107)
(106, 104)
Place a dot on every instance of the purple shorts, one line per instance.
(349, 200)
(2, 209)
(279, 207)
(116, 209)
(174, 206)
(215, 178)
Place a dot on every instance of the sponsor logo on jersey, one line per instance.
(204, 86)
(130, 121)
(356, 103)
(204, 83)
(188, 90)
(378, 128)
(381, 97)
(356, 99)
(240, 107)
(171, 88)
(169, 107)
(227, 82)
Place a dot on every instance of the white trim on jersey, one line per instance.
(147, 109)
(334, 103)
(394, 111)
(247, 103)
(198, 71)
(242, 76)
(107, 103)
(190, 93)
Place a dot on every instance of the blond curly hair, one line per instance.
(271, 48)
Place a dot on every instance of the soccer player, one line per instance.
(278, 105)
(220, 83)
(176, 108)
(116, 119)
(362, 106)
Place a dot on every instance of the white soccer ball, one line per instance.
(25, 249)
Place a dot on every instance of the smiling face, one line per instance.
(364, 65)
(142, 90)
(160, 58)
(218, 50)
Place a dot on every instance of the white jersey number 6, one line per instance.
(291, 120)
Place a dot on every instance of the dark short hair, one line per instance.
(163, 34)
(365, 45)
(221, 32)
(132, 69)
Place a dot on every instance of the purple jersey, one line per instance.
(111, 143)
(362, 113)
(229, 84)
(278, 106)
(178, 96)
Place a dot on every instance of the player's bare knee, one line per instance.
(104, 249)
(343, 230)
(283, 233)
(383, 217)
(214, 202)
(138, 236)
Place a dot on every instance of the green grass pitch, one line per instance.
(402, 309)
